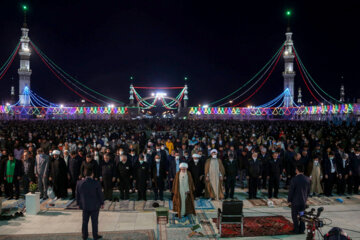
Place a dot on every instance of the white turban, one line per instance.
(183, 165)
(195, 155)
(56, 152)
(213, 151)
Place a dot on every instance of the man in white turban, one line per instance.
(214, 175)
(58, 175)
(183, 189)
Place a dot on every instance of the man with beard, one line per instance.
(58, 175)
(274, 170)
(264, 158)
(253, 174)
(183, 200)
(42, 163)
(12, 176)
(107, 176)
(214, 175)
(89, 163)
(124, 175)
(330, 173)
(141, 175)
(196, 168)
(74, 165)
(28, 165)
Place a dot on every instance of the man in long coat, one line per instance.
(183, 189)
(58, 175)
(214, 175)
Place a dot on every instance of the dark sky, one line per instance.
(219, 45)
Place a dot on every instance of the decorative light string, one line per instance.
(74, 79)
(312, 79)
(58, 77)
(255, 76)
(7, 65)
(262, 84)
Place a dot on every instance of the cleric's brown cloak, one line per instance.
(190, 202)
(209, 191)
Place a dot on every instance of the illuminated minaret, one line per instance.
(186, 98)
(342, 93)
(24, 71)
(289, 73)
(131, 98)
(299, 100)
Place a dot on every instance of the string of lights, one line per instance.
(7, 66)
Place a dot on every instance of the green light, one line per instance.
(131, 78)
(185, 78)
(25, 7)
(288, 13)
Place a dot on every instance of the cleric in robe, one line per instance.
(183, 189)
(214, 175)
(58, 175)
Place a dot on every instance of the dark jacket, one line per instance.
(89, 196)
(172, 166)
(355, 165)
(327, 165)
(74, 165)
(254, 168)
(30, 169)
(274, 169)
(231, 168)
(92, 164)
(299, 191)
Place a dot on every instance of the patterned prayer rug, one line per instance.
(258, 202)
(258, 226)
(200, 204)
(124, 205)
(184, 222)
(59, 204)
(148, 206)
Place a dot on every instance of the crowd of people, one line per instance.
(140, 155)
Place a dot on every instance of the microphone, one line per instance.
(319, 210)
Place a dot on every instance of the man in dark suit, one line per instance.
(253, 174)
(231, 174)
(298, 195)
(158, 177)
(330, 173)
(343, 167)
(90, 198)
(124, 172)
(74, 165)
(274, 170)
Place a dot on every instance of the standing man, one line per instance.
(12, 176)
(58, 175)
(28, 170)
(141, 175)
(196, 168)
(158, 177)
(124, 174)
(74, 165)
(274, 169)
(253, 174)
(183, 190)
(330, 173)
(298, 195)
(231, 170)
(89, 198)
(214, 175)
(42, 172)
(107, 176)
(354, 173)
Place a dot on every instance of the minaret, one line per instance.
(185, 96)
(24, 71)
(299, 100)
(288, 73)
(342, 93)
(131, 95)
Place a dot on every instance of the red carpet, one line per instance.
(258, 226)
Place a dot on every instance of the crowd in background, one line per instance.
(135, 156)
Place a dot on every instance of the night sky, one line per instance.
(218, 45)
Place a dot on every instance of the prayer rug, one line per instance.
(258, 202)
(8, 204)
(118, 235)
(184, 222)
(58, 204)
(124, 205)
(73, 206)
(258, 226)
(200, 204)
(148, 206)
